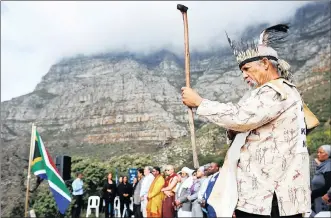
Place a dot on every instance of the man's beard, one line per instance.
(252, 84)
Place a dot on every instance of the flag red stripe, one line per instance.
(51, 162)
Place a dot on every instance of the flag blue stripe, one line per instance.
(62, 202)
(43, 176)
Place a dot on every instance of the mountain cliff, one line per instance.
(111, 104)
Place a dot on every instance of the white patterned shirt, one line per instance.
(274, 157)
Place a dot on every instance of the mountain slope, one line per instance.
(112, 104)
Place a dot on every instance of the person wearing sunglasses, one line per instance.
(169, 192)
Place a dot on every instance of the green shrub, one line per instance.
(317, 138)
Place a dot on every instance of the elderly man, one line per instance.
(196, 206)
(184, 207)
(155, 195)
(146, 183)
(169, 192)
(273, 169)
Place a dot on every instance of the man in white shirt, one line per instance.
(77, 192)
(146, 183)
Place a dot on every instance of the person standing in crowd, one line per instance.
(136, 195)
(120, 180)
(193, 197)
(155, 196)
(148, 179)
(109, 191)
(213, 170)
(321, 182)
(125, 192)
(184, 207)
(168, 189)
(203, 188)
(134, 182)
(312, 164)
(274, 159)
(327, 197)
(77, 192)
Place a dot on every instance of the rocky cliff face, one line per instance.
(112, 104)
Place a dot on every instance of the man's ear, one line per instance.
(265, 63)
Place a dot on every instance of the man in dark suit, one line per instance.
(214, 171)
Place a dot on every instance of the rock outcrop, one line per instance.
(110, 104)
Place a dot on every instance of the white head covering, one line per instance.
(188, 182)
(188, 171)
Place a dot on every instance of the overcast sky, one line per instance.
(35, 35)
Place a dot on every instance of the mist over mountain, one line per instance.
(107, 104)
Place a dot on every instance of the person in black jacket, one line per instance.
(109, 191)
(125, 192)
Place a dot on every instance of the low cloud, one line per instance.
(35, 35)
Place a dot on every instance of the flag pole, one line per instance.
(33, 135)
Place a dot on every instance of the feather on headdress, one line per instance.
(270, 38)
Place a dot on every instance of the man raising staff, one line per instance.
(274, 159)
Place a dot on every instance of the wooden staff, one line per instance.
(32, 145)
(184, 9)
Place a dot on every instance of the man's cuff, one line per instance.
(203, 107)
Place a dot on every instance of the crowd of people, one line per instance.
(167, 194)
(267, 170)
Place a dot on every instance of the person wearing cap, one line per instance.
(273, 158)
(321, 182)
(184, 207)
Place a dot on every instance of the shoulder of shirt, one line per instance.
(278, 85)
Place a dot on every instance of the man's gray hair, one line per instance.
(282, 67)
(149, 168)
(327, 149)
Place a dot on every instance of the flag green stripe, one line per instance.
(51, 176)
(38, 166)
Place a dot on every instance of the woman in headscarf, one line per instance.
(184, 206)
(321, 182)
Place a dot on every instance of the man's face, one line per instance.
(155, 172)
(140, 174)
(80, 176)
(213, 168)
(169, 170)
(322, 155)
(254, 73)
(146, 171)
